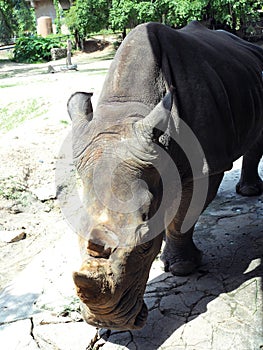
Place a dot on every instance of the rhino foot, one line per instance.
(250, 189)
(181, 263)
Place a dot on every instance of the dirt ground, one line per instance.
(33, 125)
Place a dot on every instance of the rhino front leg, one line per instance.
(250, 183)
(181, 256)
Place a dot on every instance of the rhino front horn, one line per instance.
(88, 288)
(91, 289)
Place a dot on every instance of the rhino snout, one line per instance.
(104, 305)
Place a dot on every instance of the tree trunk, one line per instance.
(124, 33)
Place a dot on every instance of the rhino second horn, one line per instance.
(80, 106)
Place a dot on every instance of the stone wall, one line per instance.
(57, 53)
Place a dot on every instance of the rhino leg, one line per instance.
(181, 256)
(250, 183)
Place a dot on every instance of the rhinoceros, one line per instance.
(177, 108)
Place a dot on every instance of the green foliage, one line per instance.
(127, 13)
(58, 16)
(234, 13)
(14, 114)
(93, 15)
(181, 12)
(24, 18)
(88, 16)
(11, 189)
(84, 17)
(16, 19)
(6, 22)
(123, 14)
(35, 48)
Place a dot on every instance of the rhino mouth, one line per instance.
(136, 321)
(141, 317)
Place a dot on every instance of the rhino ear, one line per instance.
(159, 117)
(81, 113)
(80, 107)
(154, 124)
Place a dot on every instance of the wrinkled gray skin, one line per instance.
(218, 92)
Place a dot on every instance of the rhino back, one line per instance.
(217, 79)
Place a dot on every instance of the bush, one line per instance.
(36, 49)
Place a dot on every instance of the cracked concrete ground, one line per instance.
(218, 307)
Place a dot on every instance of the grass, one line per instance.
(10, 189)
(65, 122)
(15, 113)
(3, 86)
(26, 71)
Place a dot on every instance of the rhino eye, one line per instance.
(145, 247)
(144, 217)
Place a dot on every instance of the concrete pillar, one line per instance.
(44, 26)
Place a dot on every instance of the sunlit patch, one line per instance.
(103, 218)
(253, 265)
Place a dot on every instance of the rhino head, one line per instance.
(122, 193)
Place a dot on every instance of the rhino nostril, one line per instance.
(101, 243)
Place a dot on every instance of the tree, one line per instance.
(93, 15)
(6, 25)
(234, 13)
(16, 18)
(231, 13)
(127, 14)
(58, 16)
(178, 13)
(87, 16)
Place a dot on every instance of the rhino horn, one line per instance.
(90, 289)
(82, 280)
(80, 107)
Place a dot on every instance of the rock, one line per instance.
(71, 336)
(45, 193)
(51, 69)
(69, 67)
(12, 236)
(17, 335)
